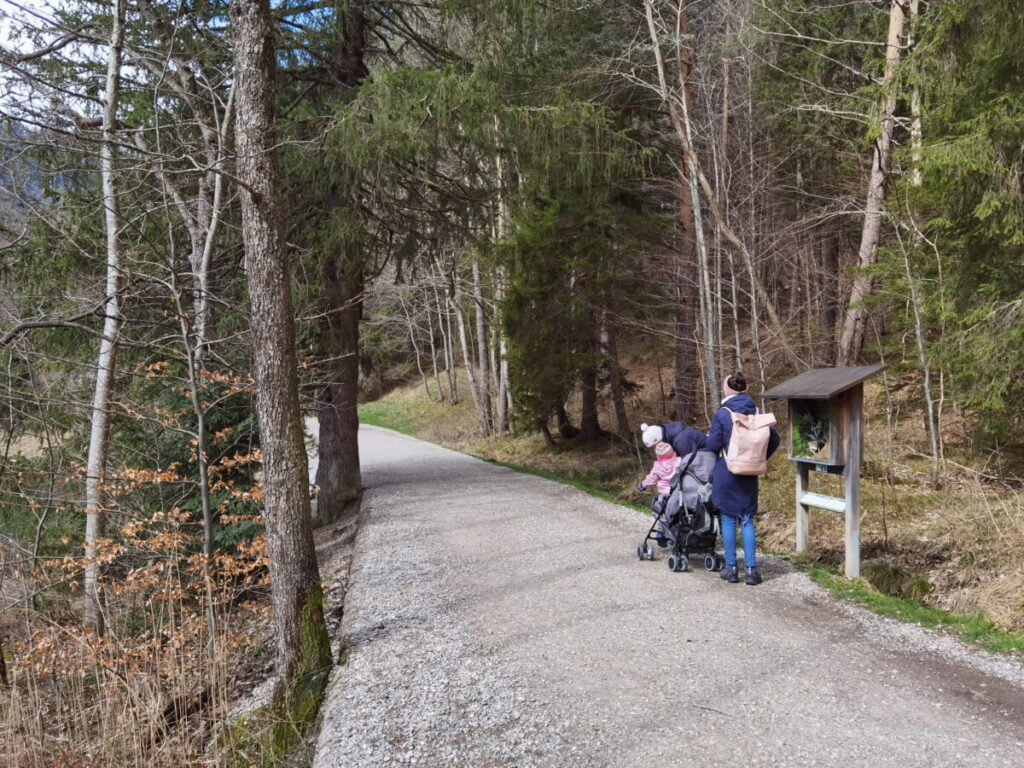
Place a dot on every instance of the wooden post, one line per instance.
(802, 519)
(851, 473)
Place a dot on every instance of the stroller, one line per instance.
(685, 519)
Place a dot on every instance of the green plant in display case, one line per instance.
(810, 430)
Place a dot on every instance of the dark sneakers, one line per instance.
(753, 577)
(730, 574)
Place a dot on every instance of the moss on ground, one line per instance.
(275, 736)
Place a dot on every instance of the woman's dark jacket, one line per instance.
(734, 495)
(683, 439)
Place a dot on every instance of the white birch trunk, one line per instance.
(916, 139)
(96, 463)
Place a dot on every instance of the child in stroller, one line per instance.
(684, 518)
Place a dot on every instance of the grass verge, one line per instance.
(975, 630)
(396, 415)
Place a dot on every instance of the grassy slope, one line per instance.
(950, 559)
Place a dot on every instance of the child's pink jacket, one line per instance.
(662, 472)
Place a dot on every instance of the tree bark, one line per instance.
(851, 340)
(686, 314)
(565, 428)
(483, 366)
(610, 350)
(687, 285)
(590, 426)
(916, 138)
(338, 476)
(829, 270)
(303, 647)
(684, 67)
(474, 390)
(432, 336)
(96, 462)
(444, 322)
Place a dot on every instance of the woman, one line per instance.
(735, 496)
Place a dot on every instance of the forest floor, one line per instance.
(950, 557)
(124, 700)
(497, 618)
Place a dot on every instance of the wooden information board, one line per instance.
(826, 413)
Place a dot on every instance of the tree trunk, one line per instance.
(930, 412)
(504, 391)
(688, 292)
(684, 66)
(303, 647)
(926, 373)
(96, 462)
(565, 429)
(474, 390)
(686, 378)
(432, 336)
(916, 141)
(851, 340)
(503, 224)
(444, 322)
(483, 366)
(829, 311)
(590, 426)
(610, 350)
(503, 387)
(338, 476)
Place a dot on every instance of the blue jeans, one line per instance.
(746, 522)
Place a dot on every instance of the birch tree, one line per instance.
(99, 429)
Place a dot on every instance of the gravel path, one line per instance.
(499, 619)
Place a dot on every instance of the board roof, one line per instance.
(819, 383)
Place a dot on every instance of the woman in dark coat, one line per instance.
(683, 439)
(735, 496)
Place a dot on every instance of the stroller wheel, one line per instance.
(678, 563)
(641, 551)
(719, 562)
(649, 551)
(710, 562)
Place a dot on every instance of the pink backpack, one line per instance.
(747, 453)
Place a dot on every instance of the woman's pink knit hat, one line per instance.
(727, 390)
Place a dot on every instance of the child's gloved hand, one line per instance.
(641, 487)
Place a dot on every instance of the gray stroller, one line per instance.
(684, 518)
